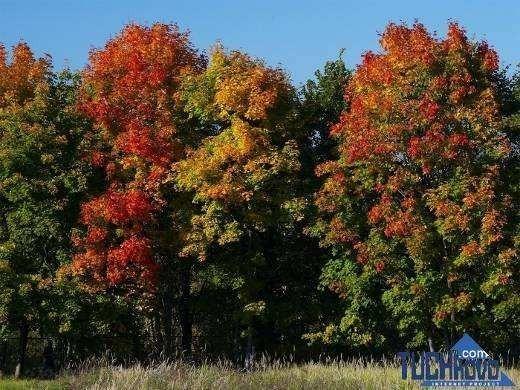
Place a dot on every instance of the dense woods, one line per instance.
(168, 203)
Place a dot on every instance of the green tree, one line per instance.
(321, 104)
(42, 179)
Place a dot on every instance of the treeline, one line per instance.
(166, 203)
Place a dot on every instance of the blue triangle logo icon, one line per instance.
(466, 343)
(466, 347)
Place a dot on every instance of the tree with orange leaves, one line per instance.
(245, 100)
(242, 179)
(415, 206)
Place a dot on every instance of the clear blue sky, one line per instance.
(298, 35)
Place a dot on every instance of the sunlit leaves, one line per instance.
(239, 170)
(23, 76)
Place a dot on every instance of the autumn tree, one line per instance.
(130, 90)
(241, 178)
(415, 208)
(42, 179)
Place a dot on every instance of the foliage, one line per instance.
(130, 90)
(233, 173)
(322, 103)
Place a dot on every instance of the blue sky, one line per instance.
(297, 35)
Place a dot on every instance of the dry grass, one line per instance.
(355, 375)
(176, 375)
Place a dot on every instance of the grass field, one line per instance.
(353, 375)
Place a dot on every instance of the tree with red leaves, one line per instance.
(131, 230)
(130, 92)
(415, 206)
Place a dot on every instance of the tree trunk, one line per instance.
(452, 327)
(250, 349)
(22, 350)
(167, 322)
(430, 344)
(157, 334)
(3, 358)
(431, 333)
(48, 360)
(184, 310)
(450, 289)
